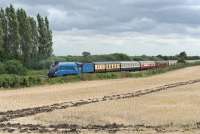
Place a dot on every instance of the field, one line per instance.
(165, 103)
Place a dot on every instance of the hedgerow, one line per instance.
(14, 81)
(12, 67)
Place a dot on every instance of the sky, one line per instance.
(134, 27)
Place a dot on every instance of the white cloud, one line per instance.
(75, 42)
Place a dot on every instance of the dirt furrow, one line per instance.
(109, 128)
(8, 115)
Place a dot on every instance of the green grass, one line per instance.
(34, 78)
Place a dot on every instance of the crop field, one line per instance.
(166, 103)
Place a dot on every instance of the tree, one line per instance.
(49, 42)
(4, 34)
(34, 40)
(24, 39)
(25, 34)
(45, 38)
(182, 57)
(41, 37)
(1, 40)
(13, 37)
(85, 54)
(120, 57)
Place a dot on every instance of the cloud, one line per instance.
(75, 42)
(107, 15)
(98, 24)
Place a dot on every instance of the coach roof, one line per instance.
(108, 62)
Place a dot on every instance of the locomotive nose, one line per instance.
(50, 74)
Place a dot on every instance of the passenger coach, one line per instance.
(161, 64)
(144, 65)
(130, 66)
(107, 66)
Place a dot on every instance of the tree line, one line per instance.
(23, 37)
(88, 57)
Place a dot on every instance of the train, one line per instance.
(74, 68)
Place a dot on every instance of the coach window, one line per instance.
(101, 66)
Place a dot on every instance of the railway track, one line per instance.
(8, 115)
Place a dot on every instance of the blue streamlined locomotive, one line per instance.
(64, 68)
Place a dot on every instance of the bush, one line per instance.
(2, 68)
(37, 72)
(15, 67)
(14, 81)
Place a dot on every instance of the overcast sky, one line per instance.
(134, 27)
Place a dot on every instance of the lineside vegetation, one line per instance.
(34, 78)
